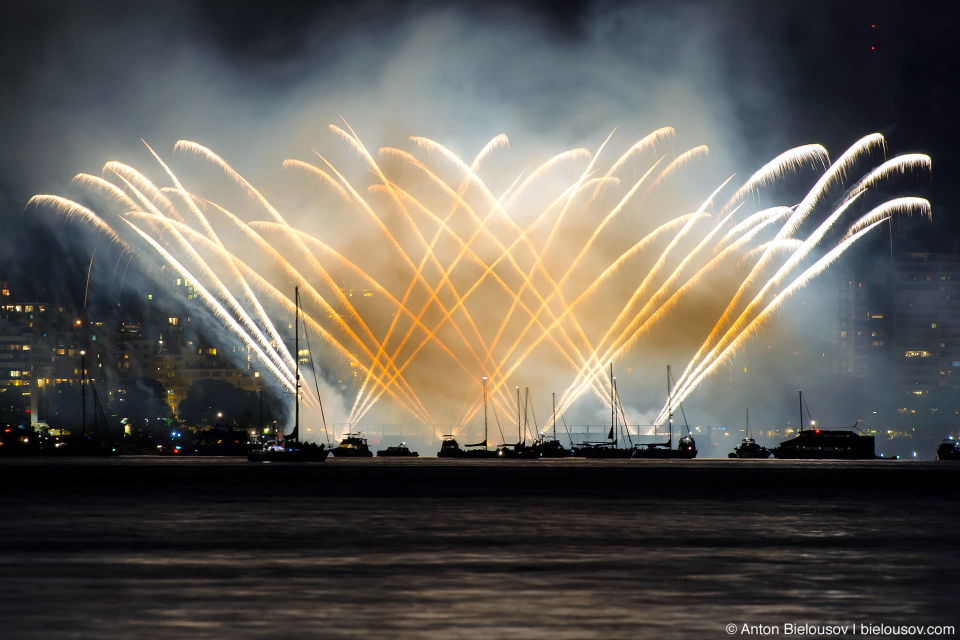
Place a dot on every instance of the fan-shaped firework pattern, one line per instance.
(570, 266)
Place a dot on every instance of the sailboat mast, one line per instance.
(801, 412)
(669, 410)
(613, 413)
(83, 395)
(484, 412)
(518, 416)
(554, 395)
(296, 351)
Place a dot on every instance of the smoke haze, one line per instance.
(93, 80)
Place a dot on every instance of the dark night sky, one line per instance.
(83, 82)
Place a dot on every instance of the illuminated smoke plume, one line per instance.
(423, 272)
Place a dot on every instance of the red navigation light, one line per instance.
(816, 430)
(7, 430)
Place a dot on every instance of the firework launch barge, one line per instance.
(826, 444)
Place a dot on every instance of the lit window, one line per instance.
(917, 354)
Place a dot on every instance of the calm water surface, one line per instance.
(218, 548)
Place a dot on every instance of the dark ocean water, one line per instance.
(222, 548)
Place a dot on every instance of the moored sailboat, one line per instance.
(544, 447)
(450, 448)
(290, 448)
(686, 447)
(748, 447)
(606, 448)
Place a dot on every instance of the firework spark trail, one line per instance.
(260, 312)
(398, 195)
(788, 245)
(836, 171)
(316, 267)
(540, 255)
(387, 362)
(648, 141)
(136, 181)
(901, 164)
(506, 253)
(222, 292)
(596, 362)
(358, 199)
(748, 331)
(218, 247)
(901, 205)
(905, 206)
(764, 221)
(311, 293)
(787, 162)
(523, 234)
(355, 141)
(448, 316)
(593, 367)
(219, 311)
(576, 262)
(284, 263)
(181, 231)
(401, 308)
(608, 272)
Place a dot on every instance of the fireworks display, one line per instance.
(423, 272)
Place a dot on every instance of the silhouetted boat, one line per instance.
(99, 443)
(449, 448)
(289, 448)
(353, 445)
(748, 447)
(608, 448)
(686, 447)
(518, 449)
(219, 440)
(826, 444)
(948, 450)
(399, 451)
(550, 447)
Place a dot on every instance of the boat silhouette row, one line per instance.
(812, 443)
(545, 446)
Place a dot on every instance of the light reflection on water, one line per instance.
(182, 564)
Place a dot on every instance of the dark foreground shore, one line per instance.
(378, 548)
(425, 477)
